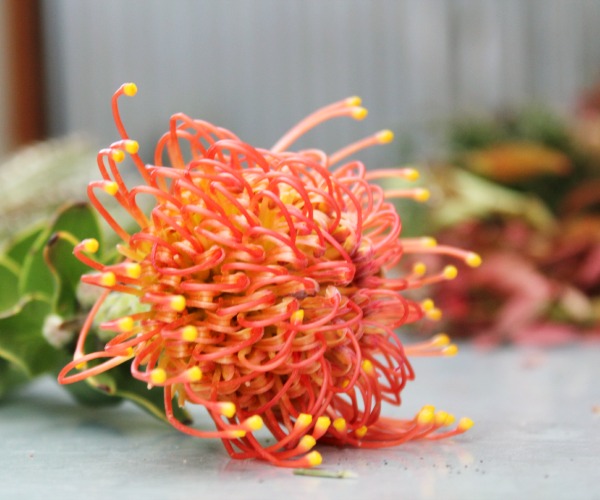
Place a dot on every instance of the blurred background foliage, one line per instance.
(493, 99)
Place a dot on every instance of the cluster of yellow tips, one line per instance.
(262, 280)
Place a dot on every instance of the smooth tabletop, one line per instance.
(536, 435)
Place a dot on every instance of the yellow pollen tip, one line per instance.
(385, 136)
(353, 101)
(254, 423)
(440, 418)
(133, 270)
(367, 367)
(450, 272)
(81, 366)
(465, 424)
(158, 376)
(117, 155)
(345, 383)
(189, 333)
(238, 433)
(177, 303)
(451, 350)
(339, 424)
(131, 146)
(449, 420)
(129, 352)
(419, 269)
(473, 259)
(304, 420)
(428, 242)
(227, 409)
(427, 305)
(359, 113)
(425, 416)
(108, 279)
(323, 423)
(130, 89)
(125, 324)
(314, 458)
(361, 431)
(422, 194)
(411, 174)
(430, 408)
(307, 442)
(194, 374)
(111, 188)
(90, 245)
(297, 316)
(434, 314)
(440, 340)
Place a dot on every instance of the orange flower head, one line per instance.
(264, 276)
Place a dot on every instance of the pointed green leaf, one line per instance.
(116, 385)
(119, 382)
(9, 283)
(21, 340)
(87, 394)
(80, 221)
(10, 377)
(35, 276)
(67, 271)
(18, 247)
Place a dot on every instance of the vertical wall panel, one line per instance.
(589, 15)
(257, 66)
(514, 72)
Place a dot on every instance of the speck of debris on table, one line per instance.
(334, 474)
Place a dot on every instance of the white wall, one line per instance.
(257, 66)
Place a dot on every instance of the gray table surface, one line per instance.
(537, 435)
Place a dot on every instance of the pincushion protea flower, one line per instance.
(266, 301)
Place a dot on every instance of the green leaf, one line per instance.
(35, 276)
(470, 196)
(18, 247)
(67, 271)
(116, 385)
(9, 283)
(10, 377)
(21, 340)
(81, 222)
(119, 382)
(84, 392)
(87, 394)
